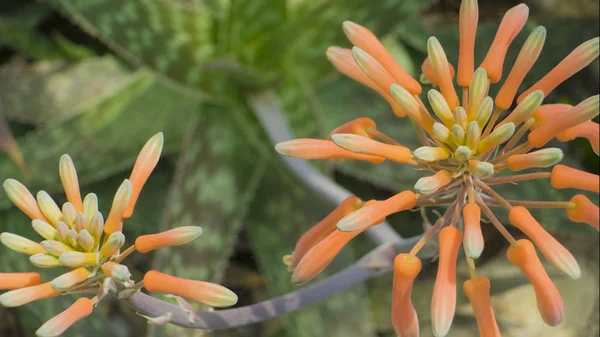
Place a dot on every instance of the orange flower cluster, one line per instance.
(77, 236)
(466, 143)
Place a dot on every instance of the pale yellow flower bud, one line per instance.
(22, 198)
(478, 90)
(112, 245)
(49, 207)
(55, 248)
(460, 116)
(80, 222)
(458, 134)
(62, 229)
(44, 261)
(472, 135)
(440, 107)
(21, 244)
(96, 225)
(86, 240)
(497, 137)
(462, 153)
(44, 229)
(69, 212)
(430, 154)
(484, 112)
(441, 132)
(90, 205)
(78, 259)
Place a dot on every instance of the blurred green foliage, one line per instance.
(96, 78)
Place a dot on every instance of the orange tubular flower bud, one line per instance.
(468, 19)
(541, 158)
(203, 292)
(525, 109)
(427, 69)
(82, 308)
(439, 64)
(368, 146)
(512, 23)
(568, 177)
(585, 211)
(427, 185)
(570, 65)
(404, 316)
(321, 255)
(359, 126)
(143, 167)
(114, 222)
(19, 280)
(443, 302)
(367, 41)
(116, 271)
(373, 68)
(478, 292)
(322, 229)
(173, 237)
(18, 297)
(472, 237)
(548, 112)
(373, 214)
(554, 252)
(23, 199)
(412, 107)
(589, 130)
(342, 60)
(306, 148)
(549, 303)
(70, 182)
(581, 113)
(70, 279)
(527, 56)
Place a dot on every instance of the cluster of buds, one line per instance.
(77, 237)
(466, 143)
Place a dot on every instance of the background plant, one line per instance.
(85, 77)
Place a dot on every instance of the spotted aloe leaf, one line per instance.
(35, 93)
(26, 40)
(106, 138)
(282, 200)
(217, 175)
(166, 37)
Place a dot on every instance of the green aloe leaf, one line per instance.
(107, 137)
(283, 210)
(216, 179)
(21, 36)
(47, 92)
(168, 38)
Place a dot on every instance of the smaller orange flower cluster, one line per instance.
(76, 236)
(466, 142)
